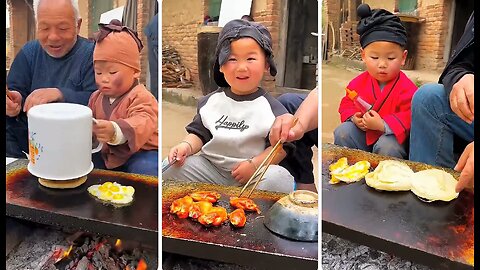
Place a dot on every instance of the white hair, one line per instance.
(76, 10)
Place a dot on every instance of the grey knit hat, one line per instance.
(237, 29)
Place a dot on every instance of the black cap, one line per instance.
(237, 29)
(379, 25)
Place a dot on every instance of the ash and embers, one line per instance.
(340, 254)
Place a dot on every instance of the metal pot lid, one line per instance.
(295, 216)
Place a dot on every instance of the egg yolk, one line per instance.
(114, 188)
(107, 194)
(117, 197)
(107, 184)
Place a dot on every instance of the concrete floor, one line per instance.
(174, 119)
(334, 81)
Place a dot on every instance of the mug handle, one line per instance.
(100, 145)
(98, 148)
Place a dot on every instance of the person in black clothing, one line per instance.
(443, 114)
(304, 135)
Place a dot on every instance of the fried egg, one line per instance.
(433, 185)
(336, 168)
(114, 193)
(349, 174)
(390, 175)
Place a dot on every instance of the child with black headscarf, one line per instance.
(385, 127)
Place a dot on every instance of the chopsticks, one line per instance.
(264, 166)
(168, 165)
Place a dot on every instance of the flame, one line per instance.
(142, 265)
(467, 247)
(66, 253)
(118, 243)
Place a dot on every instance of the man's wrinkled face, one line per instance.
(57, 28)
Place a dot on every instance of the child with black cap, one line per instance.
(232, 124)
(384, 128)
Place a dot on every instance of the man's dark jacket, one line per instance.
(462, 60)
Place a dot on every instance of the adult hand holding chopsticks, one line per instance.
(14, 103)
(307, 114)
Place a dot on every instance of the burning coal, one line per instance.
(91, 253)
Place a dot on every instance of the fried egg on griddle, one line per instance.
(114, 193)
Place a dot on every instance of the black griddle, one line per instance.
(438, 234)
(76, 209)
(253, 245)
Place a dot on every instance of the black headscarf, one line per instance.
(379, 25)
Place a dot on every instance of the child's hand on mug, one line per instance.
(104, 131)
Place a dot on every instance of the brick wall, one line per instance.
(19, 11)
(184, 39)
(270, 18)
(333, 16)
(143, 18)
(179, 30)
(432, 34)
(349, 39)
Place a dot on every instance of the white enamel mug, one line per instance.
(60, 141)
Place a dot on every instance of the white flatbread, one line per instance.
(390, 175)
(433, 185)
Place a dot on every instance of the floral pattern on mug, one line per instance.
(34, 149)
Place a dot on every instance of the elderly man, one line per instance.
(57, 67)
(443, 113)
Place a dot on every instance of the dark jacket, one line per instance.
(461, 61)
